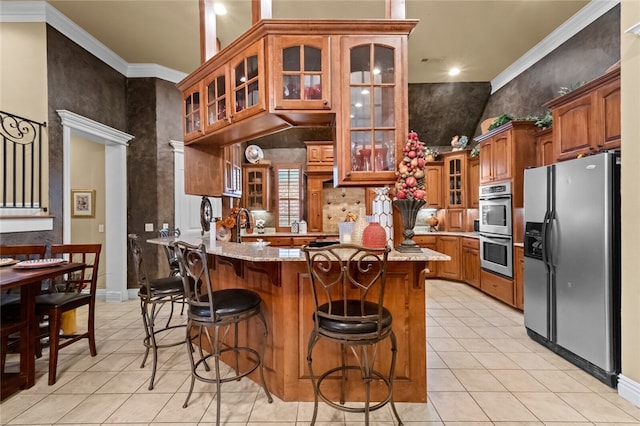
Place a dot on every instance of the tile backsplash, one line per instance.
(337, 203)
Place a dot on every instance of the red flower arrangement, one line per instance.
(411, 179)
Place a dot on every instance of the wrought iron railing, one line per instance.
(21, 161)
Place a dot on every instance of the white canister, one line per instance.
(302, 227)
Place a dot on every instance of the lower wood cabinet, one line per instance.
(470, 261)
(430, 242)
(518, 277)
(499, 287)
(449, 245)
(287, 241)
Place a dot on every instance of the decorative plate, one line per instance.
(39, 263)
(6, 261)
(254, 154)
(222, 233)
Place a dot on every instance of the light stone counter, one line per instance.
(256, 252)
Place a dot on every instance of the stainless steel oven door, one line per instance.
(496, 254)
(495, 215)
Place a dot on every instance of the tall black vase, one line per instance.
(408, 209)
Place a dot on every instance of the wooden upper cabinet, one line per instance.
(544, 148)
(504, 154)
(193, 112)
(587, 119)
(473, 182)
(232, 170)
(373, 117)
(433, 184)
(202, 165)
(256, 191)
(319, 156)
(301, 72)
(455, 176)
(248, 93)
(217, 100)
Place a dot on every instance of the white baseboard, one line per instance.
(116, 296)
(629, 390)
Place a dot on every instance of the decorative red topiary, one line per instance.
(411, 179)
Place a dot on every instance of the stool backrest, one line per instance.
(345, 280)
(138, 263)
(169, 250)
(195, 278)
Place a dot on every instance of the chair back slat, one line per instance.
(169, 250)
(89, 254)
(24, 252)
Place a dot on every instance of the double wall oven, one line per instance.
(496, 239)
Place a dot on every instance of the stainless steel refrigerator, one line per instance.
(572, 261)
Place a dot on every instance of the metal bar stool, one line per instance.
(348, 283)
(219, 309)
(154, 294)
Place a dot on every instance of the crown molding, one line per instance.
(93, 130)
(41, 11)
(584, 17)
(634, 29)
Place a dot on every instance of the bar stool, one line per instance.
(154, 294)
(348, 283)
(219, 309)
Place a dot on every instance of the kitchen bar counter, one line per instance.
(280, 276)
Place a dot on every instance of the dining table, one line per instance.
(28, 280)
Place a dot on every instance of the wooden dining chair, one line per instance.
(10, 301)
(70, 292)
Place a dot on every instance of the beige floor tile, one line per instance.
(558, 381)
(495, 361)
(114, 362)
(478, 380)
(502, 406)
(434, 361)
(48, 410)
(436, 331)
(518, 381)
(86, 383)
(460, 331)
(18, 404)
(489, 332)
(94, 409)
(548, 407)
(125, 382)
(476, 345)
(530, 361)
(595, 408)
(173, 411)
(442, 380)
(418, 412)
(589, 381)
(140, 407)
(623, 404)
(460, 360)
(457, 406)
(507, 345)
(445, 344)
(325, 413)
(278, 410)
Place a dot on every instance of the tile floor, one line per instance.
(482, 370)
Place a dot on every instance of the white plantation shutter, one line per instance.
(288, 184)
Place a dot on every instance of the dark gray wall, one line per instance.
(439, 111)
(584, 57)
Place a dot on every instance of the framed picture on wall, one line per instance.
(83, 203)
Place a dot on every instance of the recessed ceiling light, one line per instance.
(219, 9)
(454, 71)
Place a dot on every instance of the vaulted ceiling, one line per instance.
(480, 37)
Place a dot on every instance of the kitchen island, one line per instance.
(280, 276)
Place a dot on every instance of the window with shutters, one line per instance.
(289, 195)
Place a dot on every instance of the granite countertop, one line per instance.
(256, 253)
(424, 230)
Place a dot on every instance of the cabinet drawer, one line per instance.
(472, 243)
(498, 287)
(425, 240)
(279, 241)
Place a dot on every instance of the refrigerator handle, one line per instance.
(545, 239)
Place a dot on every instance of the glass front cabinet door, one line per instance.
(247, 80)
(301, 72)
(256, 192)
(374, 109)
(217, 100)
(192, 112)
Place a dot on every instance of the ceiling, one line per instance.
(480, 37)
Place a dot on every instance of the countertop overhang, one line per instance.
(255, 253)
